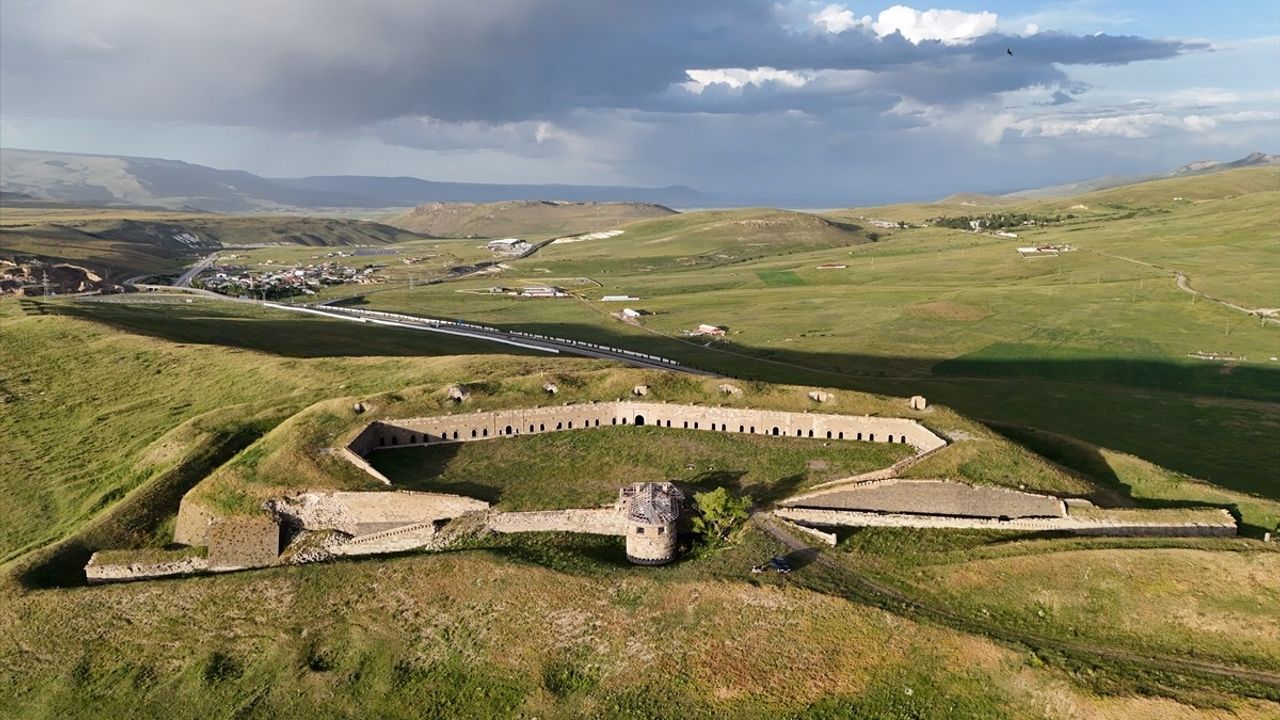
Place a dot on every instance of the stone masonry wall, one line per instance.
(483, 425)
(192, 524)
(596, 521)
(243, 542)
(97, 572)
(360, 513)
(1216, 524)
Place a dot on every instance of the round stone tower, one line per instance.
(649, 511)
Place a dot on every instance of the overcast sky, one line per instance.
(795, 102)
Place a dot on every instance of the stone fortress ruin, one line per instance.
(315, 526)
(650, 511)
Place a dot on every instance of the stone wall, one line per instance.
(192, 524)
(484, 425)
(99, 572)
(1211, 523)
(650, 543)
(596, 521)
(243, 542)
(400, 539)
(932, 497)
(363, 513)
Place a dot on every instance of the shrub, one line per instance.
(719, 515)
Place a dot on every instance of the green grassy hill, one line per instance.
(522, 218)
(1077, 366)
(1097, 343)
(122, 242)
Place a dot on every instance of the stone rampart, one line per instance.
(596, 521)
(485, 425)
(932, 497)
(243, 542)
(405, 537)
(192, 524)
(1208, 523)
(99, 572)
(355, 459)
(364, 513)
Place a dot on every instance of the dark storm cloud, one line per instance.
(332, 64)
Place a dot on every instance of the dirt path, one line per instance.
(895, 600)
(1183, 283)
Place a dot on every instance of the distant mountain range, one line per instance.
(1200, 167)
(173, 184)
(120, 180)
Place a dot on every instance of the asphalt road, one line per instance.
(543, 343)
(185, 279)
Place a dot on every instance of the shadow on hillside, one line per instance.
(1086, 460)
(761, 492)
(1185, 416)
(135, 520)
(301, 337)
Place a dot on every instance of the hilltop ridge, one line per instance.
(1199, 167)
(523, 217)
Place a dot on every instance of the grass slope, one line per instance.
(123, 243)
(1094, 343)
(87, 408)
(522, 218)
(558, 627)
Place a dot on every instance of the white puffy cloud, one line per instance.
(951, 27)
(737, 78)
(1199, 123)
(838, 19)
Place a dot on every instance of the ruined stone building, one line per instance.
(649, 511)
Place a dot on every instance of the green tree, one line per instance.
(719, 515)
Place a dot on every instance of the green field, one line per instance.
(1085, 344)
(1066, 374)
(779, 278)
(88, 411)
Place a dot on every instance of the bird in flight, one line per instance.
(1010, 51)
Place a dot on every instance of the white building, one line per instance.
(511, 246)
